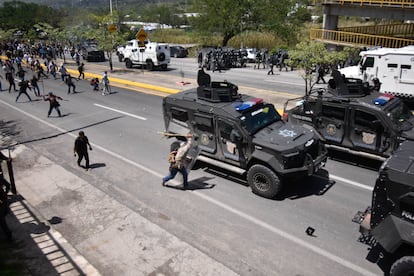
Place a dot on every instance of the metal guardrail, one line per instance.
(405, 30)
(381, 3)
(357, 39)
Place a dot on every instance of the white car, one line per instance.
(251, 54)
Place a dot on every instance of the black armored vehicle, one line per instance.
(388, 225)
(245, 135)
(354, 118)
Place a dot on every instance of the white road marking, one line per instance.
(284, 82)
(256, 221)
(120, 111)
(350, 182)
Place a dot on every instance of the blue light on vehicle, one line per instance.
(383, 99)
(248, 104)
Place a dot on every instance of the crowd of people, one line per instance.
(26, 65)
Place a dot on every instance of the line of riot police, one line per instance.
(219, 58)
(278, 59)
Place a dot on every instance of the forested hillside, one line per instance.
(101, 4)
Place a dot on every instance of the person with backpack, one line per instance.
(176, 158)
(105, 84)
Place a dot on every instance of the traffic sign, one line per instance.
(112, 28)
(141, 35)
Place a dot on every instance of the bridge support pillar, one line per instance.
(330, 22)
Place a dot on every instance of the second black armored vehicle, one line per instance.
(245, 135)
(351, 117)
(388, 224)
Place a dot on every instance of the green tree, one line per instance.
(305, 57)
(102, 33)
(162, 14)
(230, 18)
(308, 54)
(23, 16)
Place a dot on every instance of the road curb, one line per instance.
(129, 83)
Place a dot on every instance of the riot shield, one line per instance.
(191, 157)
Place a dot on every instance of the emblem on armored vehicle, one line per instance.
(331, 129)
(368, 138)
(287, 133)
(204, 139)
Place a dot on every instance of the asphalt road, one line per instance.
(282, 81)
(218, 216)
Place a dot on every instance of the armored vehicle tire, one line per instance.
(128, 63)
(263, 181)
(403, 266)
(164, 66)
(150, 65)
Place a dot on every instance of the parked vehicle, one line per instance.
(151, 55)
(178, 52)
(246, 135)
(394, 67)
(387, 226)
(90, 52)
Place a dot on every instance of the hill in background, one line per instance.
(96, 4)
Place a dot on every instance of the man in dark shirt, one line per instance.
(23, 90)
(69, 82)
(81, 148)
(52, 98)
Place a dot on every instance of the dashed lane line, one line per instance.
(120, 111)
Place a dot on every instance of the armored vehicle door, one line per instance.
(367, 132)
(331, 123)
(231, 142)
(203, 125)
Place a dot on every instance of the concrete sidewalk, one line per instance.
(119, 240)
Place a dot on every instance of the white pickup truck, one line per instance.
(150, 55)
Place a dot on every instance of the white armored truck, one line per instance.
(393, 67)
(150, 55)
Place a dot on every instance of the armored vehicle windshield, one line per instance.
(257, 118)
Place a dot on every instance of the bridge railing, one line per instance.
(358, 39)
(405, 30)
(393, 3)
